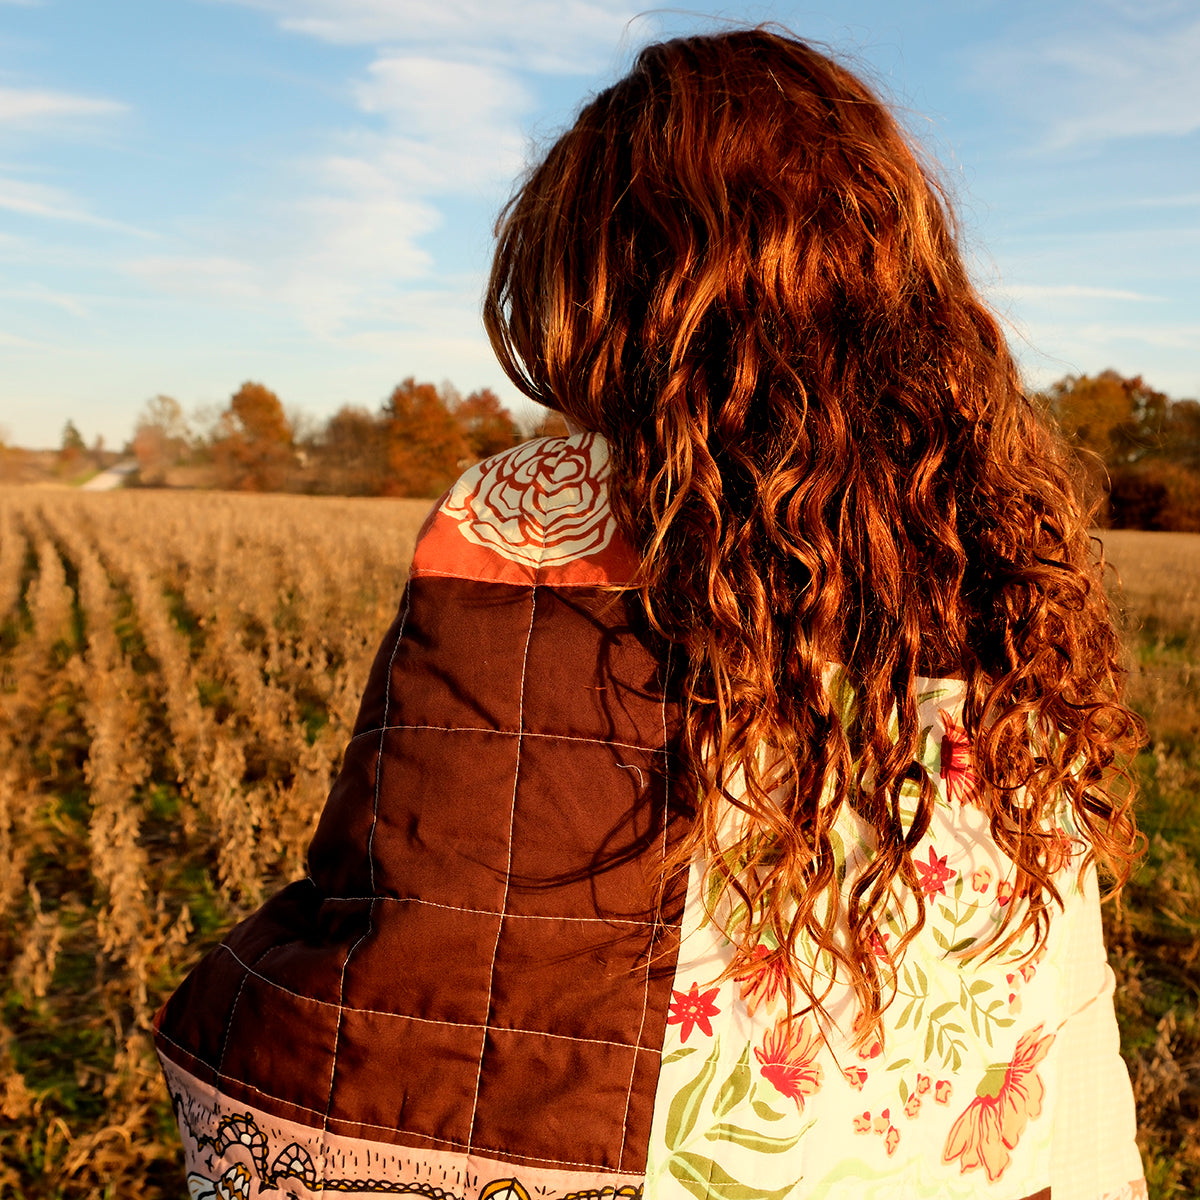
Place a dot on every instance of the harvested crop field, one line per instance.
(179, 673)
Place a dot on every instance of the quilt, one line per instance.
(477, 992)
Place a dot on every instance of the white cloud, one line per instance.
(1121, 72)
(568, 36)
(53, 204)
(1068, 291)
(210, 277)
(22, 106)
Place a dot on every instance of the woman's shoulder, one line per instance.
(536, 514)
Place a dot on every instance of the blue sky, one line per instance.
(194, 193)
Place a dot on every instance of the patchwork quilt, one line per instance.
(476, 995)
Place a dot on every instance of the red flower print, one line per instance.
(788, 1059)
(542, 504)
(912, 1105)
(1004, 891)
(883, 1122)
(763, 981)
(934, 874)
(922, 1084)
(981, 878)
(957, 769)
(871, 1049)
(879, 943)
(1008, 1098)
(689, 1009)
(862, 1124)
(892, 1139)
(941, 1091)
(855, 1077)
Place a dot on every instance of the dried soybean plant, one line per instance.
(180, 674)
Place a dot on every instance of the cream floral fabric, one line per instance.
(994, 1078)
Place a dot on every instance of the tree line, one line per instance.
(1138, 448)
(415, 444)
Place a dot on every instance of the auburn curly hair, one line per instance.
(736, 268)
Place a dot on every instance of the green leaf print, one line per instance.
(681, 1116)
(704, 1178)
(676, 1055)
(736, 1088)
(750, 1140)
(766, 1112)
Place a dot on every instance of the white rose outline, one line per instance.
(542, 504)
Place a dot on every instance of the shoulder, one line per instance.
(538, 513)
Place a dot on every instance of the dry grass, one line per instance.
(1155, 942)
(178, 676)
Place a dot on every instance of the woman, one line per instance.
(723, 813)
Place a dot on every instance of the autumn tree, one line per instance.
(488, 426)
(352, 453)
(160, 438)
(1181, 434)
(427, 448)
(1120, 420)
(253, 448)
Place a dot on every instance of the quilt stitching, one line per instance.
(220, 1063)
(512, 820)
(387, 700)
(513, 1155)
(337, 1034)
(561, 737)
(488, 912)
(377, 1012)
(341, 1007)
(650, 948)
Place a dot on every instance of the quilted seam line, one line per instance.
(650, 949)
(488, 912)
(377, 1012)
(250, 970)
(337, 1037)
(484, 1151)
(558, 737)
(341, 1007)
(387, 702)
(512, 820)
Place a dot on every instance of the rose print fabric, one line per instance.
(473, 994)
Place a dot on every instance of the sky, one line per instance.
(196, 193)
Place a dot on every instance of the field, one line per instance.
(178, 676)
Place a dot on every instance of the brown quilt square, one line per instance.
(531, 1101)
(424, 961)
(444, 816)
(586, 676)
(585, 979)
(308, 957)
(408, 1076)
(459, 660)
(197, 1015)
(337, 859)
(281, 1043)
(586, 814)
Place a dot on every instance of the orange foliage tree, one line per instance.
(253, 449)
(352, 453)
(489, 426)
(427, 447)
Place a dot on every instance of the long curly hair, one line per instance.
(736, 268)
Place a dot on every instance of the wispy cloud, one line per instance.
(53, 204)
(542, 35)
(1119, 71)
(1068, 291)
(24, 106)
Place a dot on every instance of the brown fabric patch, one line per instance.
(472, 964)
